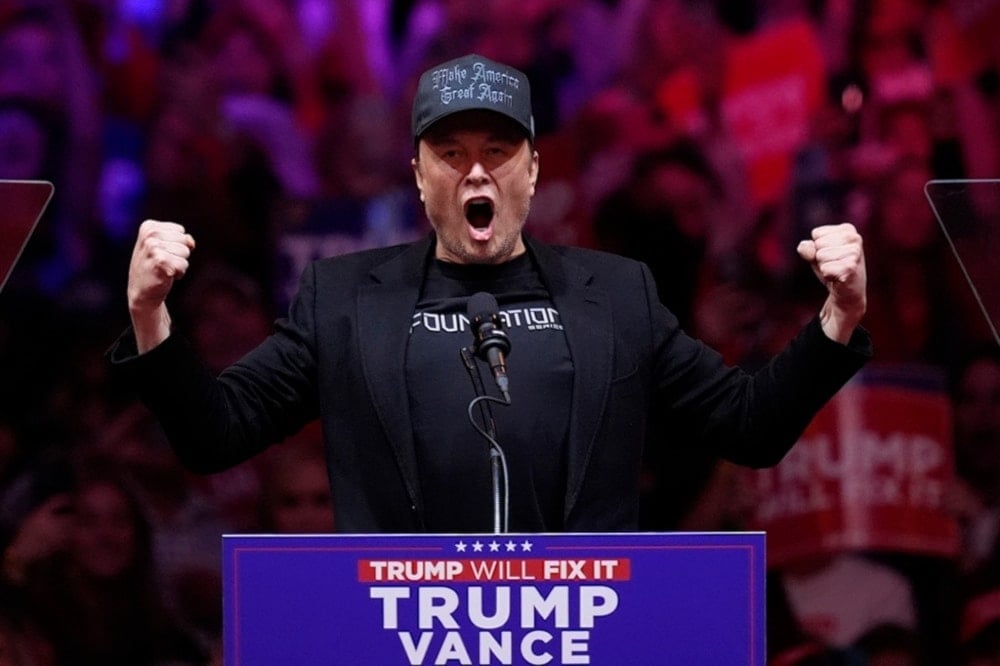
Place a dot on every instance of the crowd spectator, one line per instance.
(93, 597)
(976, 400)
(295, 491)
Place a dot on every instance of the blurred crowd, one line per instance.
(704, 137)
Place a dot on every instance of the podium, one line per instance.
(22, 203)
(967, 211)
(636, 598)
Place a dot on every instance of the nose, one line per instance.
(477, 174)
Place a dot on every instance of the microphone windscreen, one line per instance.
(482, 306)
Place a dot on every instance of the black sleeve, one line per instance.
(750, 419)
(212, 422)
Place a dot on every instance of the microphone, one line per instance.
(491, 343)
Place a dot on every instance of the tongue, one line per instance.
(480, 233)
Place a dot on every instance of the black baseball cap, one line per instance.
(472, 83)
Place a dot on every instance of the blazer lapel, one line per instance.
(586, 316)
(385, 307)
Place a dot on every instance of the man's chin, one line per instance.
(483, 255)
(492, 249)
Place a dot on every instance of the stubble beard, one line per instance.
(500, 247)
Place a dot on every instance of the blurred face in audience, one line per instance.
(104, 534)
(23, 145)
(977, 426)
(229, 324)
(242, 66)
(298, 498)
(173, 157)
(977, 409)
(907, 222)
(894, 17)
(30, 63)
(686, 194)
(908, 133)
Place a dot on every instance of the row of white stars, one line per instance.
(494, 546)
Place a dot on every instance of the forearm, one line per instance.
(191, 405)
(150, 327)
(782, 398)
(212, 422)
(753, 419)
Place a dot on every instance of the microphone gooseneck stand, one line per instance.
(498, 461)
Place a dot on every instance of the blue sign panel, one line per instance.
(495, 599)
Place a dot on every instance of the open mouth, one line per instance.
(479, 212)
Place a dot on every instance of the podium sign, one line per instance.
(494, 599)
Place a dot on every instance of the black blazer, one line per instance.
(340, 354)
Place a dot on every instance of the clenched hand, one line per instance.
(159, 258)
(838, 259)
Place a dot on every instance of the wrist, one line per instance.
(151, 327)
(839, 324)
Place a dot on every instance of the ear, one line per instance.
(533, 171)
(418, 176)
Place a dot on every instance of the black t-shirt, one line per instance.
(452, 458)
